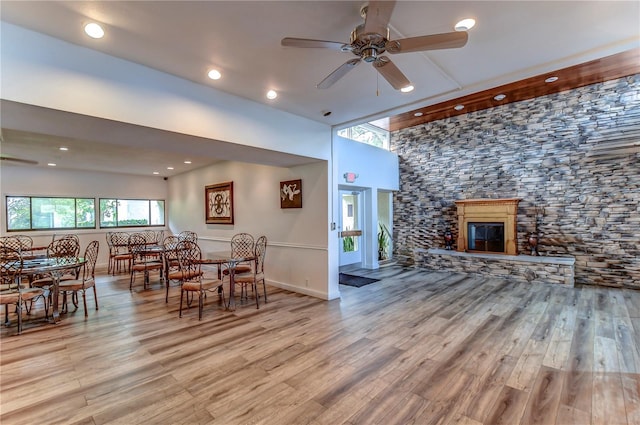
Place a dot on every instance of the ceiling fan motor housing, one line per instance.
(368, 45)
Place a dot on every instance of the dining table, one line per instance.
(226, 258)
(54, 267)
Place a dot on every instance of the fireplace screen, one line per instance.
(486, 237)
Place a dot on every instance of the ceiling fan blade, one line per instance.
(340, 72)
(378, 15)
(391, 73)
(306, 42)
(20, 160)
(449, 40)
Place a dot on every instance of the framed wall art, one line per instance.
(218, 203)
(291, 194)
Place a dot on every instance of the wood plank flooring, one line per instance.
(417, 347)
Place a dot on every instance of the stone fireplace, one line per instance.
(488, 225)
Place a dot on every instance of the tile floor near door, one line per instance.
(416, 347)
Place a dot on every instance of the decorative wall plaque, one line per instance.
(291, 194)
(218, 203)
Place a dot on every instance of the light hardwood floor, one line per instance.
(417, 347)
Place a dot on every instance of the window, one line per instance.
(367, 133)
(131, 212)
(39, 213)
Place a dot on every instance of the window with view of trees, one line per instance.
(131, 212)
(44, 213)
(367, 133)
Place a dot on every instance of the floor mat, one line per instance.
(357, 281)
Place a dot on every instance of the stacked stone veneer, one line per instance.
(535, 150)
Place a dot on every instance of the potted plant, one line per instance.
(383, 242)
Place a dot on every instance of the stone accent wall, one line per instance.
(535, 150)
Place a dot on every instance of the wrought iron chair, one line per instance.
(140, 260)
(257, 275)
(66, 247)
(171, 264)
(188, 235)
(120, 254)
(190, 259)
(85, 282)
(242, 245)
(12, 292)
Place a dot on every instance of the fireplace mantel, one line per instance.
(486, 211)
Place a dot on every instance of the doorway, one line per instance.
(351, 243)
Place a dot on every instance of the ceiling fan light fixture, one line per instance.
(94, 30)
(465, 24)
(214, 74)
(272, 94)
(407, 89)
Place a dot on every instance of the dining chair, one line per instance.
(120, 256)
(253, 277)
(26, 245)
(72, 287)
(193, 282)
(188, 235)
(242, 245)
(12, 292)
(140, 260)
(11, 242)
(171, 265)
(64, 247)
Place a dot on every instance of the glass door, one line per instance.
(350, 228)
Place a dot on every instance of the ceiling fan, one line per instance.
(19, 160)
(371, 39)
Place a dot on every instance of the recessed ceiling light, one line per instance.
(499, 97)
(169, 168)
(214, 74)
(418, 114)
(551, 79)
(407, 89)
(465, 24)
(458, 107)
(51, 164)
(272, 94)
(64, 148)
(94, 30)
(187, 162)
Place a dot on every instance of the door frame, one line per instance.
(355, 256)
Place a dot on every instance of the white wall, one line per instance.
(38, 181)
(297, 253)
(377, 170)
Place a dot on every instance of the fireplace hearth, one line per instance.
(487, 225)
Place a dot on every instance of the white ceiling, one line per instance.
(511, 41)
